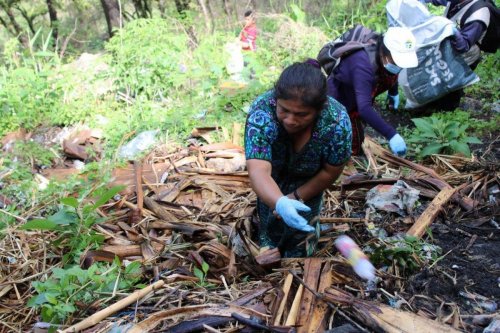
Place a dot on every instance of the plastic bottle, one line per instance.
(137, 145)
(358, 260)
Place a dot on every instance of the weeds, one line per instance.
(408, 253)
(73, 222)
(71, 289)
(201, 274)
(435, 135)
(74, 289)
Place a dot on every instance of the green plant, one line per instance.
(201, 274)
(145, 62)
(297, 14)
(74, 221)
(27, 92)
(488, 88)
(35, 154)
(434, 135)
(409, 253)
(71, 290)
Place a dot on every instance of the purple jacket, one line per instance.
(352, 84)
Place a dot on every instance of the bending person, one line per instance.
(366, 73)
(297, 141)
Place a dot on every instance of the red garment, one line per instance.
(249, 35)
(358, 133)
(384, 82)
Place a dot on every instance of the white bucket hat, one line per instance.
(402, 45)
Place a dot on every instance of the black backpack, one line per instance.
(352, 40)
(491, 40)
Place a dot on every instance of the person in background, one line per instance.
(248, 34)
(297, 141)
(465, 41)
(361, 76)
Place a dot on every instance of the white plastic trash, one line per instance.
(138, 144)
(235, 62)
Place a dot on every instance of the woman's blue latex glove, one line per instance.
(392, 101)
(288, 210)
(398, 145)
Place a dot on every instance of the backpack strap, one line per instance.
(476, 6)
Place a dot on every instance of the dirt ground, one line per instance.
(466, 278)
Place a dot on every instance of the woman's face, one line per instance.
(294, 116)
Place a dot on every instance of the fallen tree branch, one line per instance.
(429, 215)
(104, 313)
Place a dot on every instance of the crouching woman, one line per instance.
(297, 141)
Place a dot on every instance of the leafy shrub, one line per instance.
(73, 222)
(435, 135)
(489, 86)
(70, 290)
(147, 56)
(486, 124)
(345, 14)
(26, 98)
(32, 152)
(409, 253)
(58, 296)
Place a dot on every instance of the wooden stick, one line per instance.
(294, 310)
(286, 290)
(312, 272)
(430, 213)
(210, 329)
(138, 185)
(341, 220)
(317, 320)
(397, 321)
(104, 313)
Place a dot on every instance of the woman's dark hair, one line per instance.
(382, 49)
(303, 81)
(248, 13)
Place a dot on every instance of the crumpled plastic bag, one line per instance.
(137, 145)
(399, 198)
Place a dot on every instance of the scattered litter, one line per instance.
(197, 214)
(43, 182)
(494, 223)
(490, 306)
(398, 198)
(200, 115)
(138, 144)
(78, 165)
(493, 327)
(358, 260)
